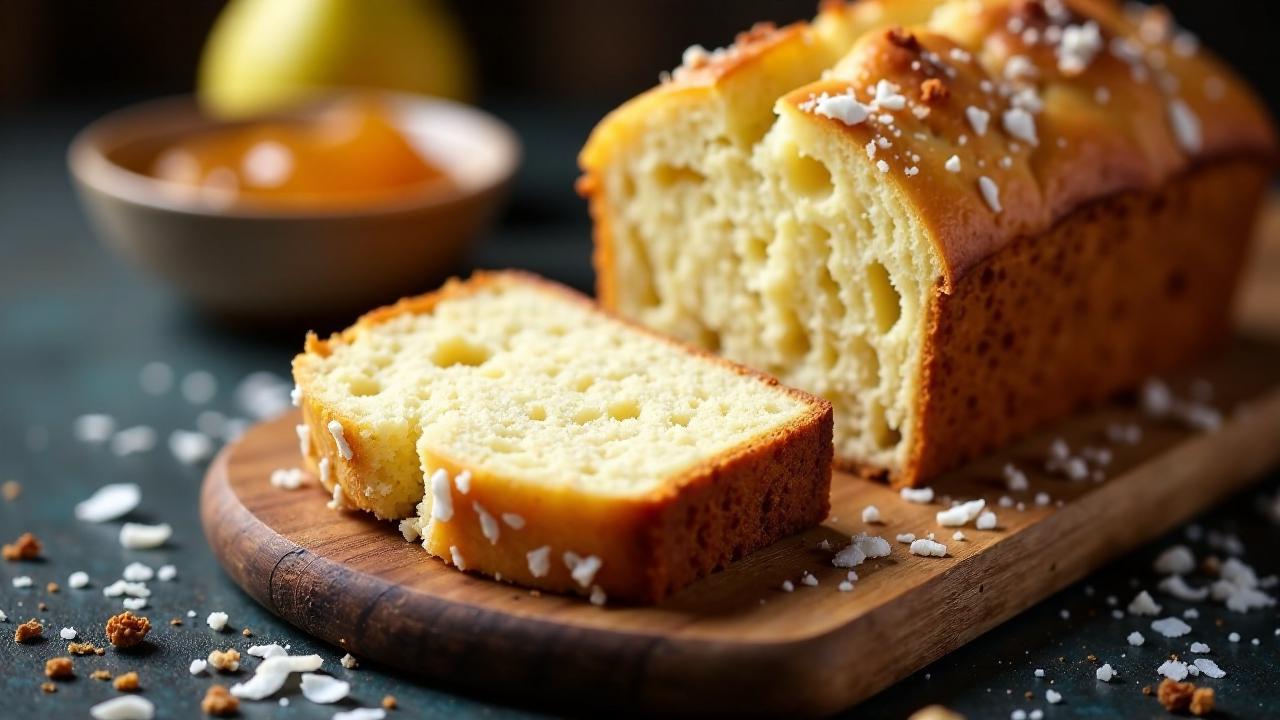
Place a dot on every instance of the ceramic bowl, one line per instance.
(254, 263)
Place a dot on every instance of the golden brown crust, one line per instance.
(1121, 289)
(719, 510)
(1086, 149)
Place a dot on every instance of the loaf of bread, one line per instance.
(524, 434)
(956, 220)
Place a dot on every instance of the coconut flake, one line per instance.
(287, 478)
(539, 561)
(1170, 627)
(1105, 673)
(217, 620)
(1177, 587)
(1177, 560)
(323, 689)
(978, 119)
(272, 673)
(990, 193)
(190, 447)
(928, 548)
(304, 438)
(960, 514)
(917, 495)
(843, 107)
(1210, 668)
(197, 666)
(1186, 126)
(441, 497)
(986, 521)
(871, 514)
(267, 651)
(130, 441)
(136, 536)
(1143, 604)
(109, 502)
(1020, 124)
(513, 521)
(1135, 639)
(138, 572)
(488, 524)
(359, 714)
(340, 438)
(94, 428)
(953, 164)
(583, 570)
(125, 707)
(1079, 45)
(78, 579)
(1173, 669)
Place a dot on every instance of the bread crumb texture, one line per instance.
(506, 408)
(822, 200)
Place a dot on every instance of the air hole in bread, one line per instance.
(668, 175)
(364, 386)
(806, 175)
(882, 432)
(681, 419)
(624, 410)
(586, 415)
(537, 412)
(459, 351)
(583, 383)
(886, 303)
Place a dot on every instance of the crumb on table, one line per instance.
(59, 668)
(49, 687)
(29, 631)
(82, 648)
(12, 490)
(100, 675)
(219, 702)
(26, 547)
(127, 682)
(126, 629)
(225, 660)
(52, 587)
(1175, 696)
(1202, 701)
(389, 702)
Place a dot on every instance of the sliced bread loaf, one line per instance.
(525, 434)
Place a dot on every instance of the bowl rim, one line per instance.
(90, 165)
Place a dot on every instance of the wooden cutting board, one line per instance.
(735, 642)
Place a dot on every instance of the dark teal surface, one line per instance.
(76, 326)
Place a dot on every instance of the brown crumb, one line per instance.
(225, 660)
(26, 547)
(127, 682)
(29, 631)
(126, 629)
(44, 607)
(59, 668)
(1146, 689)
(175, 621)
(1028, 695)
(1211, 565)
(246, 632)
(389, 702)
(902, 38)
(100, 675)
(52, 587)
(933, 90)
(218, 702)
(1202, 701)
(12, 490)
(78, 648)
(1091, 657)
(99, 651)
(49, 688)
(1175, 696)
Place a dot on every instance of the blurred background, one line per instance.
(550, 69)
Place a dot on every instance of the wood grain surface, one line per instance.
(734, 642)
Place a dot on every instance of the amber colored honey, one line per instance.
(348, 155)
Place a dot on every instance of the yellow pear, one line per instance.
(263, 55)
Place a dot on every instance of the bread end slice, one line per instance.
(522, 433)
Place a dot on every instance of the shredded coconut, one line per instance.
(960, 514)
(109, 502)
(1105, 673)
(1170, 627)
(986, 521)
(217, 620)
(1173, 669)
(1135, 639)
(978, 119)
(1186, 126)
(441, 497)
(539, 561)
(917, 495)
(340, 438)
(136, 536)
(928, 548)
(871, 514)
(488, 524)
(990, 193)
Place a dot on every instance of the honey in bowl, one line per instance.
(350, 154)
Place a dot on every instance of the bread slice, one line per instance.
(561, 448)
(958, 220)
